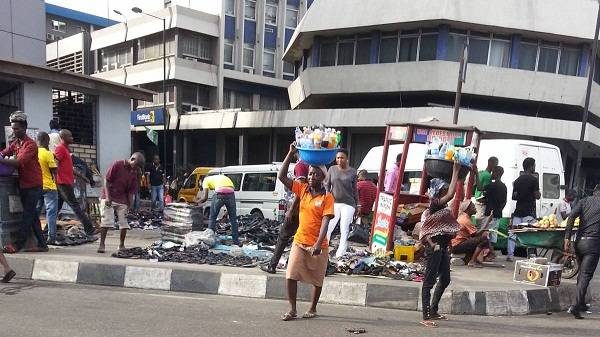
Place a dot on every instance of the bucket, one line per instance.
(441, 168)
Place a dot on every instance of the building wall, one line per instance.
(72, 27)
(114, 136)
(23, 40)
(37, 103)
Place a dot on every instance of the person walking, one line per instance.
(120, 185)
(290, 222)
(309, 254)
(224, 196)
(526, 190)
(30, 182)
(49, 196)
(65, 179)
(438, 229)
(367, 192)
(587, 246)
(9, 273)
(341, 183)
(156, 176)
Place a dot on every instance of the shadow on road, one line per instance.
(15, 288)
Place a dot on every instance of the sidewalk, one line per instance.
(488, 291)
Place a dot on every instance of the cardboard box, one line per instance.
(543, 275)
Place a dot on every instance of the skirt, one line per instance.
(304, 267)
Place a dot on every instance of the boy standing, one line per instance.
(49, 191)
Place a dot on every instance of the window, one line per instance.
(345, 53)
(59, 26)
(271, 12)
(190, 182)
(388, 48)
(499, 53)
(409, 44)
(428, 47)
(328, 52)
(259, 182)
(157, 99)
(548, 59)
(196, 46)
(115, 58)
(243, 101)
(267, 103)
(269, 61)
(478, 50)
(228, 51)
(282, 104)
(151, 47)
(291, 16)
(50, 37)
(230, 7)
(250, 9)
(569, 61)
(363, 51)
(456, 43)
(236, 179)
(551, 186)
(227, 98)
(527, 56)
(248, 56)
(195, 95)
(288, 70)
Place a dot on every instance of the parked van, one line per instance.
(192, 184)
(510, 154)
(257, 189)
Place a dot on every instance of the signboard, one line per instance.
(424, 135)
(383, 222)
(148, 117)
(398, 133)
(544, 275)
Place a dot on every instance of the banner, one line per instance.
(148, 117)
(383, 222)
(152, 135)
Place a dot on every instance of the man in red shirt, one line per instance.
(120, 186)
(65, 179)
(30, 181)
(367, 192)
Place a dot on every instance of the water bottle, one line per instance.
(298, 134)
(442, 154)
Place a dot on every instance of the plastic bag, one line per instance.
(359, 234)
(207, 237)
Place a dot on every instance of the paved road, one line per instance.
(51, 309)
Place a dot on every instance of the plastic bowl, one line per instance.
(6, 170)
(317, 157)
(441, 168)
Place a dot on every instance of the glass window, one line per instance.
(230, 7)
(548, 59)
(228, 51)
(288, 68)
(388, 49)
(269, 60)
(59, 26)
(363, 51)
(236, 179)
(456, 43)
(226, 98)
(551, 186)
(196, 46)
(291, 16)
(527, 56)
(151, 47)
(428, 47)
(500, 53)
(282, 104)
(267, 103)
(189, 94)
(328, 50)
(478, 50)
(259, 182)
(190, 182)
(408, 48)
(271, 12)
(248, 55)
(250, 9)
(569, 61)
(243, 101)
(345, 54)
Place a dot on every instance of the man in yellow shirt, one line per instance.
(49, 191)
(224, 196)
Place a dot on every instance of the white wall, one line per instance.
(23, 31)
(37, 98)
(114, 136)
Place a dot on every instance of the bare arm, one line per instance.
(283, 171)
(10, 162)
(452, 188)
(316, 249)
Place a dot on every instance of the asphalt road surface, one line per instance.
(30, 308)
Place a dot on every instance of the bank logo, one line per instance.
(147, 117)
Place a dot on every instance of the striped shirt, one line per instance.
(588, 211)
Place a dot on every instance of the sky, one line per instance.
(102, 7)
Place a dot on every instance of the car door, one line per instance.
(551, 176)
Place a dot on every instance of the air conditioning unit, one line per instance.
(249, 71)
(50, 37)
(192, 108)
(196, 108)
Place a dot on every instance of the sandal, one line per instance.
(474, 265)
(438, 317)
(8, 276)
(429, 324)
(288, 316)
(309, 315)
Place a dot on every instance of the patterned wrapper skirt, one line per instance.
(304, 267)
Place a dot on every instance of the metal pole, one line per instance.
(586, 106)
(459, 85)
(164, 88)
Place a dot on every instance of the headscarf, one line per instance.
(18, 116)
(464, 206)
(435, 186)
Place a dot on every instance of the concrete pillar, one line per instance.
(113, 127)
(243, 149)
(220, 149)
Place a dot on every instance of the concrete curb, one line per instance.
(401, 296)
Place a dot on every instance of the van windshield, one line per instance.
(410, 183)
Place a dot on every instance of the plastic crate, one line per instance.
(404, 253)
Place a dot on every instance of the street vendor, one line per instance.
(439, 228)
(469, 240)
(309, 255)
(224, 196)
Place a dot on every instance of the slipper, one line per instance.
(309, 315)
(288, 316)
(429, 324)
(474, 265)
(438, 317)
(8, 276)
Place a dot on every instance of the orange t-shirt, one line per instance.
(312, 211)
(466, 229)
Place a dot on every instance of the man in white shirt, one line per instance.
(564, 207)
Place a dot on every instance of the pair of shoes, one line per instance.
(8, 276)
(52, 242)
(268, 269)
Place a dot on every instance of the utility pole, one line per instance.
(462, 74)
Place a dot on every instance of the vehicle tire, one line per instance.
(257, 213)
(570, 267)
(182, 200)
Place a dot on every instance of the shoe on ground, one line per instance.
(8, 276)
(575, 312)
(53, 242)
(268, 269)
(510, 259)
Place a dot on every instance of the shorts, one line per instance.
(107, 215)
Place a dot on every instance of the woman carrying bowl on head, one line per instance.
(309, 256)
(341, 182)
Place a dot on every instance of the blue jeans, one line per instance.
(31, 218)
(228, 200)
(50, 199)
(157, 194)
(512, 238)
(136, 202)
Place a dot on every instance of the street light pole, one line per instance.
(586, 108)
(461, 79)
(164, 84)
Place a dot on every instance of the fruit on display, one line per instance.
(564, 223)
(548, 222)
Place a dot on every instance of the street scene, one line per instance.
(293, 167)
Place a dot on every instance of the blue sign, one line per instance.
(148, 117)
